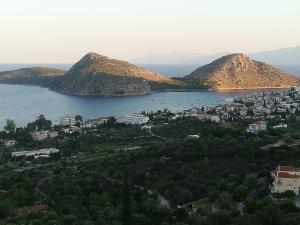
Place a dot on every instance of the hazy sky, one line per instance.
(45, 31)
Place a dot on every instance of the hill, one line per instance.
(238, 71)
(35, 75)
(95, 74)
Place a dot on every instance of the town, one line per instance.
(257, 135)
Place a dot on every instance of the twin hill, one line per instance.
(95, 74)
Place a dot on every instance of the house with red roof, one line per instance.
(286, 178)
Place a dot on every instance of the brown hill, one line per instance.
(95, 74)
(238, 71)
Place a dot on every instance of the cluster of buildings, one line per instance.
(70, 125)
(201, 114)
(268, 105)
(258, 107)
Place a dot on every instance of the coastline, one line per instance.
(255, 88)
(155, 91)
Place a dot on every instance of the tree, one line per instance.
(248, 150)
(250, 181)
(223, 202)
(250, 205)
(111, 121)
(5, 209)
(213, 194)
(10, 126)
(21, 197)
(79, 118)
(270, 215)
(41, 123)
(240, 192)
(126, 212)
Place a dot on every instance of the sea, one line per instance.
(25, 103)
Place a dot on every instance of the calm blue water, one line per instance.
(24, 103)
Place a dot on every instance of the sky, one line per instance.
(62, 31)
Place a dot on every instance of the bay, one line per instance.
(24, 103)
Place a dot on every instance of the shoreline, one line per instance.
(156, 91)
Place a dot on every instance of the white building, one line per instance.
(281, 125)
(213, 118)
(67, 120)
(46, 152)
(193, 136)
(44, 134)
(95, 122)
(133, 119)
(256, 127)
(286, 178)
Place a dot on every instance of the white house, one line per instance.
(193, 136)
(281, 125)
(286, 178)
(256, 127)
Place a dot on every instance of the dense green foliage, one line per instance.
(120, 174)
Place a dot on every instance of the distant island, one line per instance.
(95, 74)
(41, 76)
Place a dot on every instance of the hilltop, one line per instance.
(94, 62)
(238, 71)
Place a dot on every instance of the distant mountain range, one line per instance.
(284, 56)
